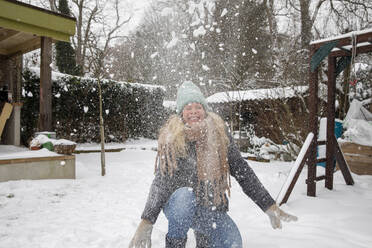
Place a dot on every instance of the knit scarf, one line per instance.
(211, 153)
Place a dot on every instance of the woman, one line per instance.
(195, 159)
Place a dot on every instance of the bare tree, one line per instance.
(93, 30)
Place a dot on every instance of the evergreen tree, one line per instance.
(65, 53)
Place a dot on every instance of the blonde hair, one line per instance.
(211, 154)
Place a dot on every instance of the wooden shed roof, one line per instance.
(22, 25)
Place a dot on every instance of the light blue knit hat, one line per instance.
(189, 93)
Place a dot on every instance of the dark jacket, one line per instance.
(186, 176)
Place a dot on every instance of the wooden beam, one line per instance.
(342, 164)
(359, 50)
(321, 142)
(348, 147)
(344, 41)
(22, 48)
(27, 19)
(35, 159)
(331, 84)
(7, 33)
(45, 115)
(313, 127)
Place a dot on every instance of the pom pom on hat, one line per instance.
(189, 93)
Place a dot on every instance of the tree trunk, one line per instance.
(306, 23)
(102, 132)
(45, 115)
(269, 6)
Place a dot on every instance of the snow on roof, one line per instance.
(347, 35)
(57, 75)
(169, 104)
(259, 94)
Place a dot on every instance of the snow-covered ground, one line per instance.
(97, 212)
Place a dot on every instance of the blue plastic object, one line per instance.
(338, 132)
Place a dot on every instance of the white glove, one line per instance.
(276, 215)
(142, 237)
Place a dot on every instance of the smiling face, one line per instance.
(192, 113)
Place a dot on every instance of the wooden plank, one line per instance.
(5, 114)
(319, 178)
(360, 168)
(358, 159)
(321, 142)
(321, 160)
(353, 148)
(36, 159)
(306, 151)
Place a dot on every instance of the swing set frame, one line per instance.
(340, 51)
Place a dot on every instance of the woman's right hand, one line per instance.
(142, 237)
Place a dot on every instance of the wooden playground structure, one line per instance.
(340, 51)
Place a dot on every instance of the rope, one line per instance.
(353, 80)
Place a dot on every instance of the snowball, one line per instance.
(199, 32)
(224, 12)
(172, 43)
(205, 68)
(192, 45)
(154, 55)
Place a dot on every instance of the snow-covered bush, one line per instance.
(129, 110)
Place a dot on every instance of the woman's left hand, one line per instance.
(277, 215)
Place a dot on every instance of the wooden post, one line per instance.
(313, 128)
(45, 115)
(342, 163)
(330, 146)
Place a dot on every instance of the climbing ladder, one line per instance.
(303, 158)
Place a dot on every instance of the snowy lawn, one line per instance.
(94, 211)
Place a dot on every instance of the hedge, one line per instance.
(130, 110)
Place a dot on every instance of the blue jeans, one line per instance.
(183, 213)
